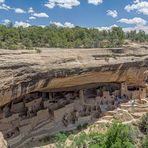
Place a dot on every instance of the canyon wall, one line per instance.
(22, 72)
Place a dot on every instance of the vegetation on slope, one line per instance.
(143, 125)
(52, 36)
(116, 136)
(145, 142)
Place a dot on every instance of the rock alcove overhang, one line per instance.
(130, 72)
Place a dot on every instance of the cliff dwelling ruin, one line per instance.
(64, 108)
(67, 100)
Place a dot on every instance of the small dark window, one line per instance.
(132, 88)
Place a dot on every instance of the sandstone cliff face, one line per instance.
(3, 143)
(22, 72)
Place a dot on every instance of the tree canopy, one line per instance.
(53, 36)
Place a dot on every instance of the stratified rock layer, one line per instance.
(3, 143)
(22, 72)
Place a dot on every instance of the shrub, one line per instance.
(38, 50)
(81, 140)
(12, 47)
(143, 124)
(46, 139)
(21, 46)
(96, 140)
(145, 142)
(28, 44)
(119, 135)
(60, 139)
(80, 127)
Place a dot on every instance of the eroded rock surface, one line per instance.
(22, 72)
(3, 143)
(59, 89)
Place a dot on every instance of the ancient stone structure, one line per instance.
(45, 96)
(64, 108)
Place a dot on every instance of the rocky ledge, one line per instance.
(22, 72)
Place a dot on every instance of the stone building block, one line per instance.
(43, 115)
(16, 108)
(58, 114)
(25, 129)
(35, 103)
(83, 120)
